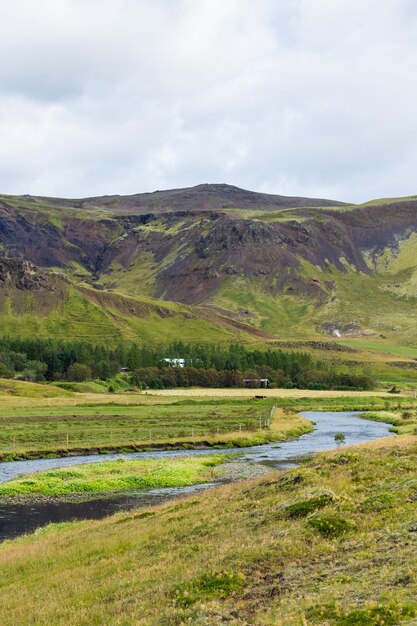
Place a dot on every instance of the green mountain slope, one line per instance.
(35, 302)
(296, 268)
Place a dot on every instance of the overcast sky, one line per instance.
(297, 97)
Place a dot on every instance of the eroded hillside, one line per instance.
(294, 267)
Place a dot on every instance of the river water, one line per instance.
(19, 519)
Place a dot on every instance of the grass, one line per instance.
(268, 393)
(18, 389)
(46, 420)
(29, 432)
(379, 345)
(120, 475)
(235, 555)
(404, 421)
(80, 312)
(284, 315)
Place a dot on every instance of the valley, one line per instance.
(153, 492)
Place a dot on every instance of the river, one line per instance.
(22, 518)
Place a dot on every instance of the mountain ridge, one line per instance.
(206, 196)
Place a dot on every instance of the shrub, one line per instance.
(330, 526)
(305, 507)
(5, 371)
(34, 371)
(340, 439)
(378, 615)
(379, 502)
(79, 372)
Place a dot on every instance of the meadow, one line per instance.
(119, 475)
(331, 542)
(43, 420)
(35, 431)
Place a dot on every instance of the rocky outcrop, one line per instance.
(24, 275)
(186, 245)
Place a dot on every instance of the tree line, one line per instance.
(207, 365)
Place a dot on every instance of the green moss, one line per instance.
(330, 525)
(306, 507)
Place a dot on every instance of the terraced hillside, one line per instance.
(37, 302)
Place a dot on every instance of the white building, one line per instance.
(175, 362)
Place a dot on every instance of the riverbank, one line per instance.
(333, 541)
(26, 513)
(116, 476)
(169, 479)
(404, 422)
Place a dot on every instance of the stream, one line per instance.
(17, 519)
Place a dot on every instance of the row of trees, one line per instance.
(170, 377)
(210, 365)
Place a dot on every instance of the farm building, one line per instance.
(256, 382)
(175, 362)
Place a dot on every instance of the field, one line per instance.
(33, 431)
(332, 542)
(44, 420)
(120, 475)
(268, 393)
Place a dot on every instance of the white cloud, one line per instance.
(307, 97)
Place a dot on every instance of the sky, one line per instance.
(295, 97)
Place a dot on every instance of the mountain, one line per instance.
(294, 268)
(199, 198)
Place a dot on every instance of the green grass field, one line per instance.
(120, 475)
(385, 347)
(10, 389)
(39, 420)
(33, 431)
(98, 317)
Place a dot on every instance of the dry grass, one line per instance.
(269, 393)
(75, 399)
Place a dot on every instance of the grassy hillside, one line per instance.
(332, 542)
(11, 390)
(63, 310)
